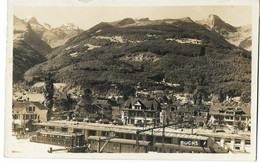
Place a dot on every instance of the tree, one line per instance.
(221, 96)
(87, 96)
(202, 51)
(201, 93)
(49, 91)
(71, 102)
(246, 97)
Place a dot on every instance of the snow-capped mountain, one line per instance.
(58, 36)
(54, 36)
(28, 48)
(235, 35)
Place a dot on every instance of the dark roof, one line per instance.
(22, 105)
(104, 102)
(215, 109)
(146, 103)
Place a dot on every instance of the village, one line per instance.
(148, 121)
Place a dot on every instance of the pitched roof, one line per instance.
(104, 102)
(22, 105)
(215, 109)
(145, 102)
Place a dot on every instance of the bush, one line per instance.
(106, 121)
(92, 120)
(119, 122)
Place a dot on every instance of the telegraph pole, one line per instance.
(137, 142)
(163, 133)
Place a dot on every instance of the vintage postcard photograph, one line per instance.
(132, 79)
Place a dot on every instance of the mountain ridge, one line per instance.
(54, 36)
(126, 54)
(235, 35)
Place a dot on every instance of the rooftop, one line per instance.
(215, 109)
(23, 105)
(201, 134)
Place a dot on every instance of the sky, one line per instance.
(86, 17)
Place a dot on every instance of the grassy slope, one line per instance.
(224, 65)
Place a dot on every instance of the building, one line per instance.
(115, 139)
(108, 107)
(28, 96)
(238, 116)
(141, 111)
(27, 112)
(186, 112)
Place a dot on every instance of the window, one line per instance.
(30, 109)
(15, 116)
(231, 117)
(217, 139)
(237, 148)
(229, 112)
(243, 118)
(128, 136)
(227, 140)
(27, 116)
(247, 142)
(237, 141)
(92, 133)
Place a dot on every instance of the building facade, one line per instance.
(141, 111)
(27, 112)
(236, 116)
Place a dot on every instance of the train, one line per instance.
(111, 139)
(59, 138)
(116, 145)
(174, 148)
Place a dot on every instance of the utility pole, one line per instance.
(137, 142)
(163, 133)
(192, 122)
(98, 146)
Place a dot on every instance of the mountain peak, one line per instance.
(126, 21)
(214, 17)
(70, 26)
(33, 20)
(186, 19)
(47, 26)
(214, 22)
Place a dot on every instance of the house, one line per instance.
(108, 107)
(228, 114)
(26, 96)
(139, 110)
(27, 112)
(177, 113)
(100, 108)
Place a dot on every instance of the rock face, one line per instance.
(131, 51)
(54, 36)
(33, 41)
(58, 36)
(28, 48)
(238, 36)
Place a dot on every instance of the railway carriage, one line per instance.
(59, 138)
(116, 145)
